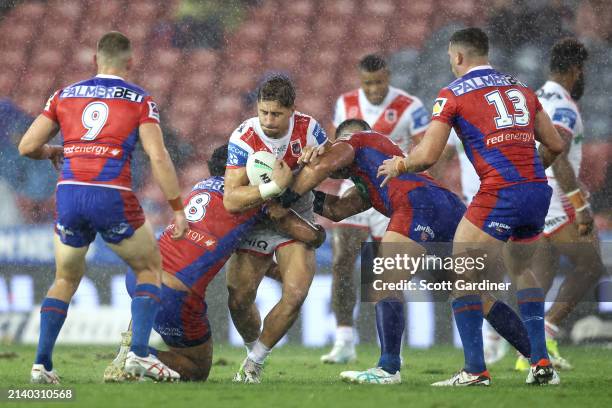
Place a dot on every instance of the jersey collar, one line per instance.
(480, 67)
(108, 76)
(265, 137)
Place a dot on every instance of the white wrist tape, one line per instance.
(269, 190)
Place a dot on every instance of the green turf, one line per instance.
(295, 378)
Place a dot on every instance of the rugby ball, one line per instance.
(259, 167)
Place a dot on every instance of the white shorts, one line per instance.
(264, 239)
(560, 213)
(370, 219)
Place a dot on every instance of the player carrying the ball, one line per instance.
(279, 129)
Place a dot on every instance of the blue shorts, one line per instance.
(517, 212)
(431, 214)
(182, 320)
(83, 211)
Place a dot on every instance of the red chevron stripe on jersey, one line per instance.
(390, 116)
(388, 119)
(351, 105)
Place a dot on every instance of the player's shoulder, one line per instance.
(247, 127)
(213, 183)
(349, 94)
(554, 95)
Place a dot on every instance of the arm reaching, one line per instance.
(164, 173)
(334, 157)
(337, 208)
(423, 156)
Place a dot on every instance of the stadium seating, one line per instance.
(200, 91)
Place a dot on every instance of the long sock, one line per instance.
(52, 316)
(468, 316)
(531, 307)
(145, 304)
(259, 353)
(510, 326)
(153, 350)
(249, 345)
(344, 335)
(390, 323)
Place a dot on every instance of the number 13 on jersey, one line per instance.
(503, 118)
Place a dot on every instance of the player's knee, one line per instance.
(294, 296)
(240, 299)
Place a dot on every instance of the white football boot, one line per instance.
(39, 375)
(542, 375)
(341, 353)
(465, 379)
(140, 368)
(249, 372)
(374, 375)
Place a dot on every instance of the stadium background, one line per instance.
(201, 61)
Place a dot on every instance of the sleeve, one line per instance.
(149, 112)
(50, 110)
(538, 105)
(339, 112)
(445, 107)
(565, 118)
(419, 117)
(238, 150)
(316, 134)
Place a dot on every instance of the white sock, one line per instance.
(259, 352)
(344, 335)
(551, 330)
(249, 345)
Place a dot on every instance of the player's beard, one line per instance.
(578, 88)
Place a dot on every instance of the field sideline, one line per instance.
(294, 378)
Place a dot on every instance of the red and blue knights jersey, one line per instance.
(99, 120)
(493, 114)
(371, 149)
(213, 235)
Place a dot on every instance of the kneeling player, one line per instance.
(411, 201)
(190, 264)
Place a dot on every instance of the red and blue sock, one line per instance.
(145, 304)
(531, 307)
(390, 323)
(52, 316)
(468, 316)
(510, 326)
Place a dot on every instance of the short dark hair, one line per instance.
(277, 88)
(216, 163)
(472, 37)
(567, 53)
(113, 44)
(352, 123)
(372, 63)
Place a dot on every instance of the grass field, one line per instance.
(294, 378)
